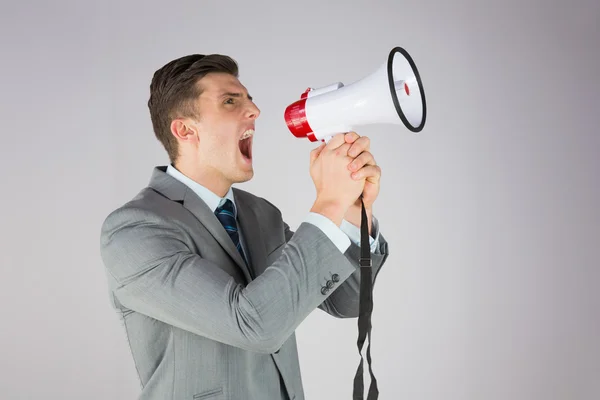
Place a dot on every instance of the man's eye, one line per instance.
(229, 101)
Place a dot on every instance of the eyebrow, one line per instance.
(233, 94)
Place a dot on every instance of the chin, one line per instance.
(248, 176)
(244, 176)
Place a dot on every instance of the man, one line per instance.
(209, 280)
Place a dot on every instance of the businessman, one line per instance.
(209, 280)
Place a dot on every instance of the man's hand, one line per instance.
(363, 166)
(336, 189)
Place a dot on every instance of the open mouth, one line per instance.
(246, 144)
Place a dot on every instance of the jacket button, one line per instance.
(335, 278)
(324, 291)
(329, 284)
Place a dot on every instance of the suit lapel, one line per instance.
(179, 192)
(249, 226)
(207, 218)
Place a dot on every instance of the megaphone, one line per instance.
(392, 94)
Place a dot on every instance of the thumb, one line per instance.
(314, 154)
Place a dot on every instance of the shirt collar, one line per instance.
(210, 198)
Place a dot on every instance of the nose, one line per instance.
(253, 111)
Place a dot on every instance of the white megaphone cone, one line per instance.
(393, 94)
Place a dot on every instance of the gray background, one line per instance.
(491, 290)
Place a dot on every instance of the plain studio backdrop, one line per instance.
(492, 211)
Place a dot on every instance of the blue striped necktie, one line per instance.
(226, 215)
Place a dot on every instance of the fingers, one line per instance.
(363, 159)
(359, 145)
(314, 154)
(335, 142)
(372, 173)
(343, 150)
(348, 137)
(351, 137)
(341, 143)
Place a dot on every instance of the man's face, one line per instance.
(227, 115)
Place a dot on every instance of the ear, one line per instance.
(184, 129)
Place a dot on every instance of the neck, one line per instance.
(206, 176)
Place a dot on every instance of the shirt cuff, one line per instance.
(330, 229)
(353, 233)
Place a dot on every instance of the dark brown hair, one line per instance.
(174, 90)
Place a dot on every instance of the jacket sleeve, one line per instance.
(154, 272)
(343, 301)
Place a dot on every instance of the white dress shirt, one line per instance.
(340, 236)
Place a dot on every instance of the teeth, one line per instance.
(247, 134)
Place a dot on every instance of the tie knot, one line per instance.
(227, 206)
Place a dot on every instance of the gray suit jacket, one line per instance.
(199, 323)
